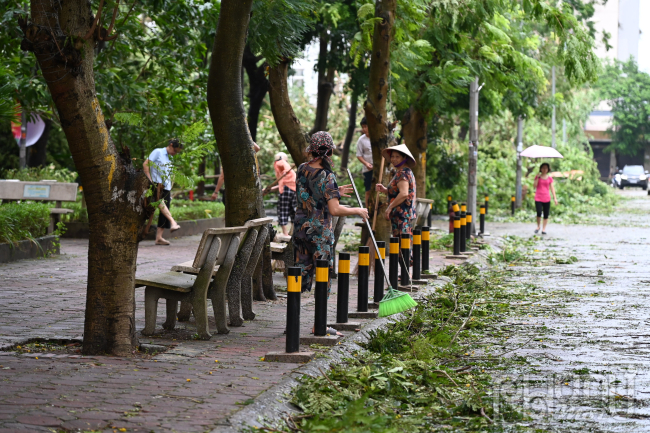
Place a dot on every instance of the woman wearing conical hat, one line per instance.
(401, 190)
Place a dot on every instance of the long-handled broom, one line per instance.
(369, 242)
(394, 301)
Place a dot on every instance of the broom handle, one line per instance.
(372, 236)
(381, 174)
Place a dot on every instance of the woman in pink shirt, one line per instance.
(287, 188)
(543, 184)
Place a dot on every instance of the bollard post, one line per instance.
(294, 285)
(425, 249)
(417, 242)
(393, 262)
(512, 205)
(457, 236)
(406, 258)
(468, 225)
(343, 288)
(482, 219)
(463, 208)
(320, 298)
(463, 231)
(380, 256)
(452, 215)
(429, 216)
(364, 273)
(487, 201)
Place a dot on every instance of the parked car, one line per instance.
(631, 175)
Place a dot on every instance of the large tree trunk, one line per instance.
(349, 135)
(243, 188)
(37, 154)
(258, 86)
(375, 104)
(286, 121)
(113, 189)
(414, 128)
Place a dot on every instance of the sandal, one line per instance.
(173, 229)
(536, 231)
(162, 242)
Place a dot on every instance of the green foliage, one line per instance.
(35, 174)
(628, 91)
(22, 221)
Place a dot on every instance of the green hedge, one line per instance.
(23, 221)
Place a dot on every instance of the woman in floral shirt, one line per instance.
(401, 190)
(318, 200)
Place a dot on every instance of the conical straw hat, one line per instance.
(410, 161)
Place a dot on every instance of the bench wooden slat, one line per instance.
(175, 281)
(60, 211)
(281, 237)
(277, 247)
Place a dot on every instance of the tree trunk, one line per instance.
(375, 104)
(243, 188)
(414, 129)
(258, 86)
(113, 189)
(286, 121)
(37, 153)
(200, 187)
(349, 135)
(325, 86)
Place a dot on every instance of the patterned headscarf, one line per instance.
(321, 144)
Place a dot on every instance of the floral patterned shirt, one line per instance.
(406, 210)
(314, 188)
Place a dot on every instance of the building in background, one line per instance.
(622, 20)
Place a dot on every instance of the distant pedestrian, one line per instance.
(364, 155)
(287, 188)
(543, 184)
(158, 168)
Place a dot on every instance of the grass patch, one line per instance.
(22, 221)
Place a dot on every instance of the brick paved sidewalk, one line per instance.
(181, 390)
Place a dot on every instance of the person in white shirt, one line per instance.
(158, 168)
(364, 155)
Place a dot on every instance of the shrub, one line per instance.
(21, 221)
(35, 174)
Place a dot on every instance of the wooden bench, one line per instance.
(45, 190)
(217, 247)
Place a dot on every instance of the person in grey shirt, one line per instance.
(158, 168)
(364, 155)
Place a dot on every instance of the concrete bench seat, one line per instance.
(174, 281)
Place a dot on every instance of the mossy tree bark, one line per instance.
(243, 188)
(286, 121)
(349, 135)
(414, 127)
(375, 104)
(258, 86)
(63, 39)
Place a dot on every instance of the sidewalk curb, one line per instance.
(272, 404)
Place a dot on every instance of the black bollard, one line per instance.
(364, 274)
(429, 216)
(294, 285)
(393, 262)
(487, 200)
(468, 225)
(457, 235)
(463, 231)
(425, 249)
(512, 205)
(320, 298)
(406, 258)
(482, 219)
(417, 242)
(343, 291)
(380, 256)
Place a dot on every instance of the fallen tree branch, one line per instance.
(464, 323)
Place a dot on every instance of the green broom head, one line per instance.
(395, 302)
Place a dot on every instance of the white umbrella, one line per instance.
(541, 152)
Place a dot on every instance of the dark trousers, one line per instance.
(163, 222)
(544, 207)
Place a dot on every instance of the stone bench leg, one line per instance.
(217, 291)
(247, 278)
(151, 296)
(172, 306)
(234, 283)
(185, 312)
